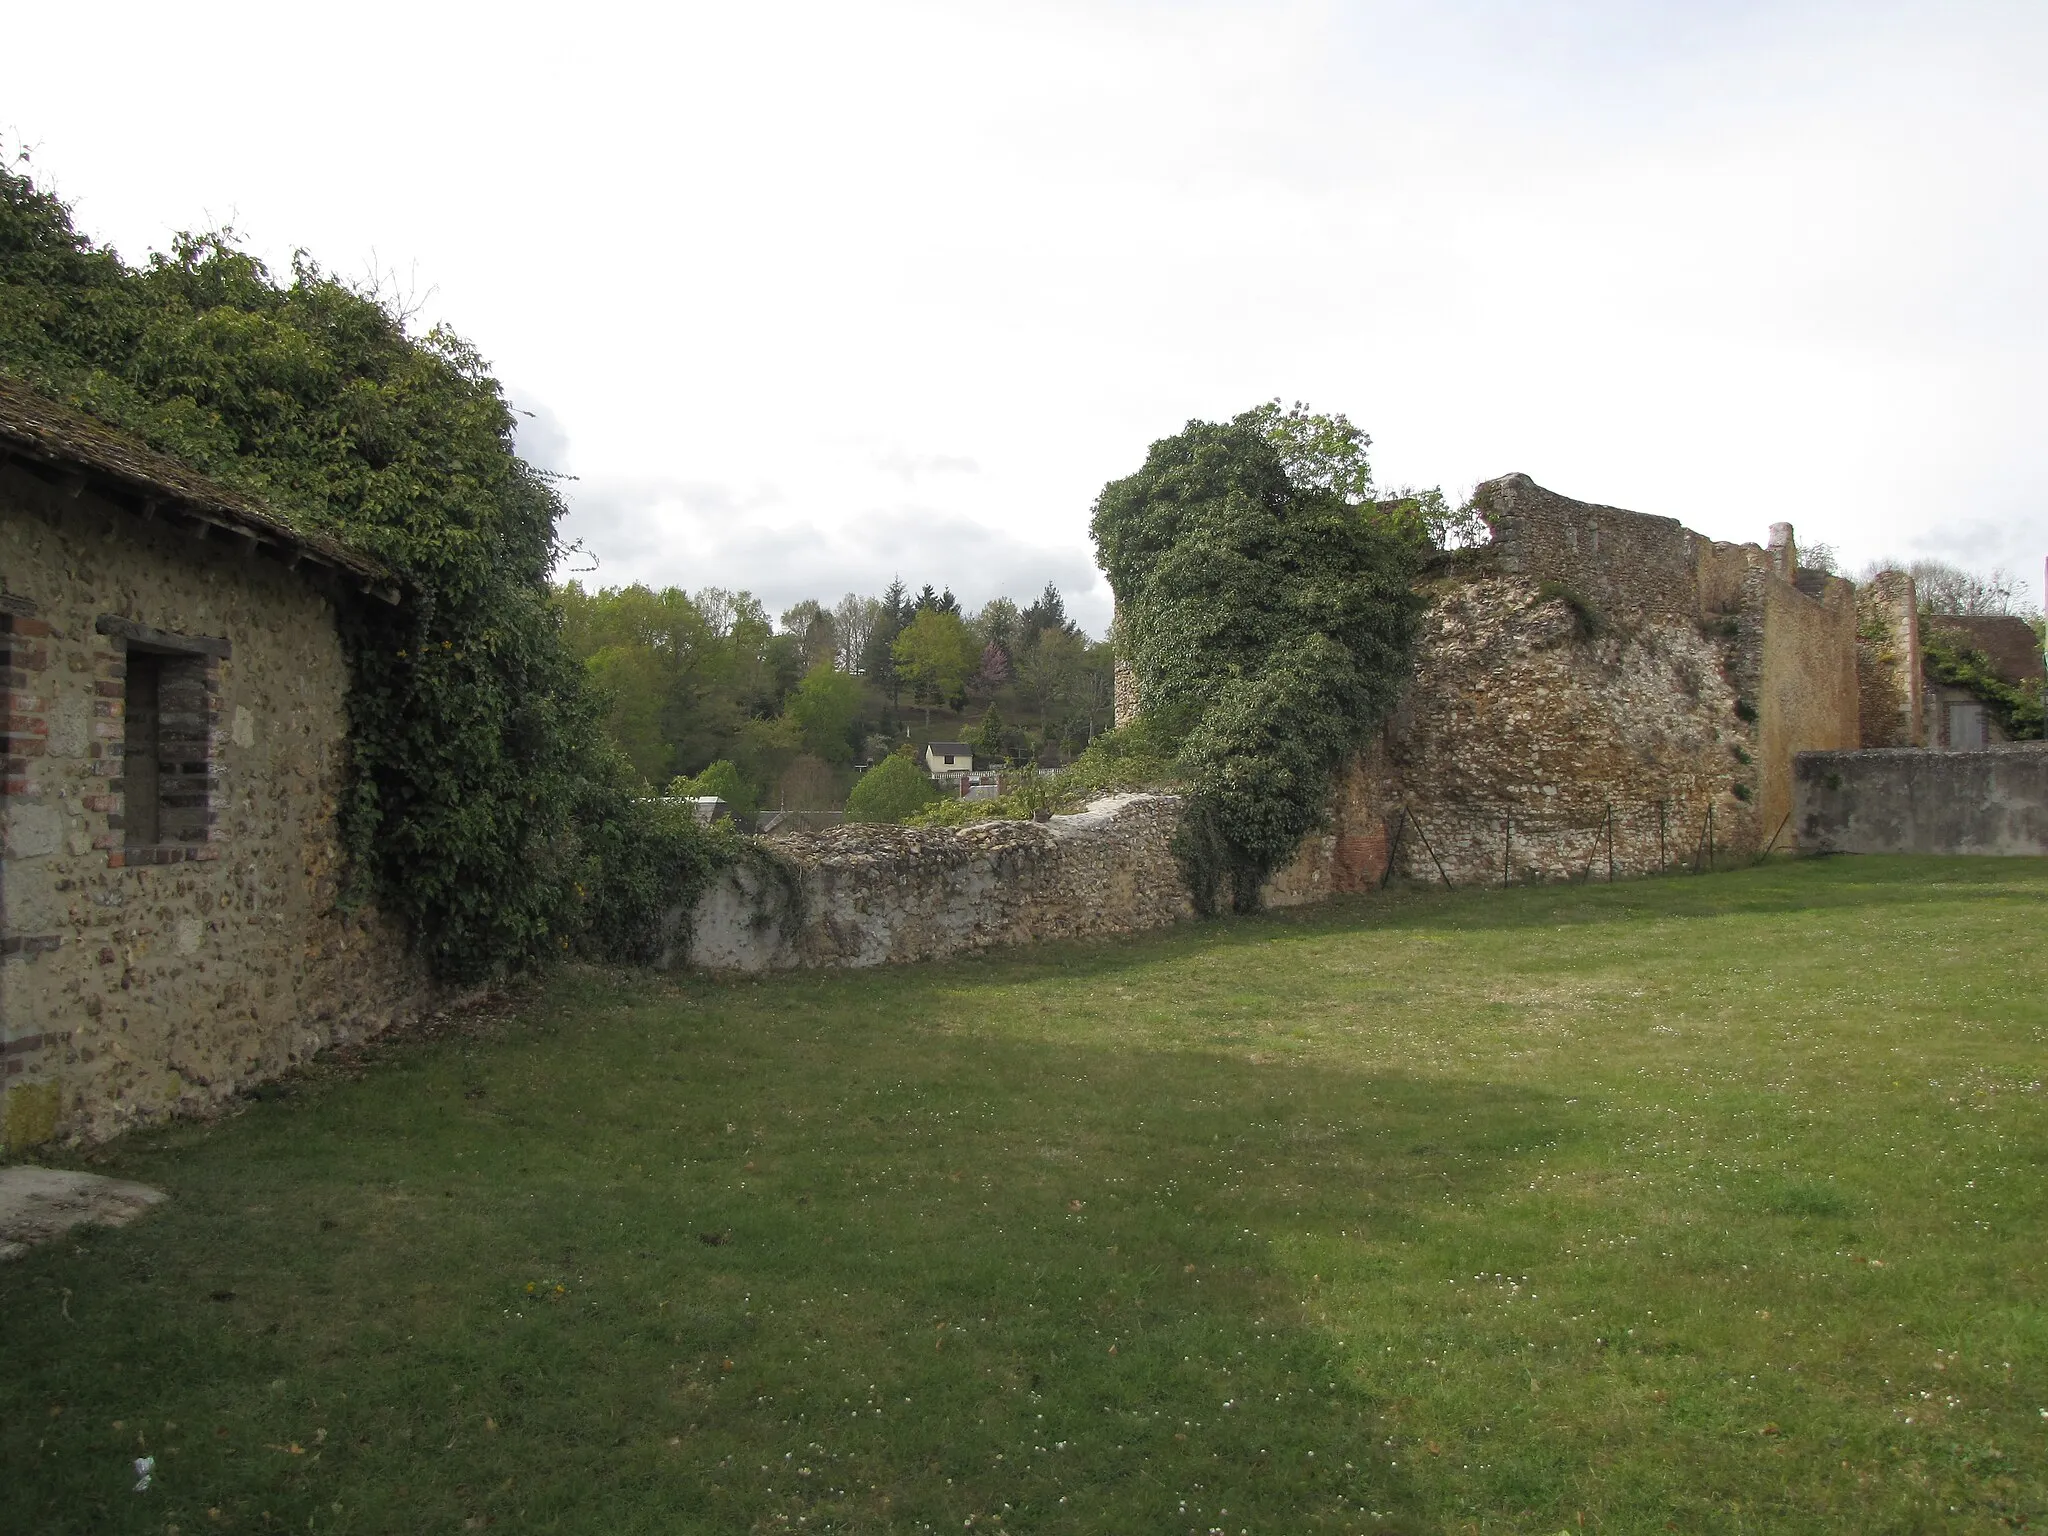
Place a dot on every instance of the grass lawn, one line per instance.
(1709, 1204)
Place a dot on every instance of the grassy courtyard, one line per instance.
(1701, 1204)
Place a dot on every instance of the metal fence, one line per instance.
(1482, 842)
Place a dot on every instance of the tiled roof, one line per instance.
(39, 430)
(2009, 642)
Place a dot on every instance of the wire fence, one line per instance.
(1492, 843)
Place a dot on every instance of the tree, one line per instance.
(934, 654)
(1317, 452)
(879, 661)
(929, 601)
(1949, 589)
(632, 683)
(824, 706)
(1274, 620)
(1049, 612)
(723, 781)
(994, 671)
(996, 624)
(987, 738)
(816, 633)
(892, 791)
(854, 619)
(1049, 671)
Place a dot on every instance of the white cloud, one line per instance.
(911, 280)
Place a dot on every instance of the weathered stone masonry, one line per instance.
(1599, 693)
(168, 927)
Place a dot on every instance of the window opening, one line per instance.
(142, 750)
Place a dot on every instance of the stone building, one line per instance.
(174, 687)
(1596, 691)
(1955, 718)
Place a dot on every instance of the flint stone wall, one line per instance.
(138, 983)
(865, 895)
(1990, 801)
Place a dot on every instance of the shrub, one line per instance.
(723, 780)
(892, 791)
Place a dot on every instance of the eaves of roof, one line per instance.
(67, 443)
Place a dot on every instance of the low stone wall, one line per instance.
(866, 895)
(1906, 801)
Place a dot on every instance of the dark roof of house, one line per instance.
(948, 748)
(44, 434)
(2009, 642)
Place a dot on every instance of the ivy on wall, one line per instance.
(1270, 617)
(1953, 660)
(484, 807)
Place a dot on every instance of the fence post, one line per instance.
(1610, 842)
(1507, 845)
(1710, 837)
(1423, 832)
(1394, 846)
(1663, 858)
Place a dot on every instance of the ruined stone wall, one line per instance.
(858, 896)
(1888, 675)
(1806, 693)
(135, 982)
(1533, 747)
(1625, 565)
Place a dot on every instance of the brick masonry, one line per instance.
(138, 978)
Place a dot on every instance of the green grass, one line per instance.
(1706, 1204)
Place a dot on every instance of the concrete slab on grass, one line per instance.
(37, 1204)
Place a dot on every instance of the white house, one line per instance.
(948, 759)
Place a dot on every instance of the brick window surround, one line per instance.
(158, 743)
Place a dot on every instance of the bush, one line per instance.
(1269, 604)
(723, 780)
(892, 791)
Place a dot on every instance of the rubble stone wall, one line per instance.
(135, 982)
(1528, 748)
(858, 896)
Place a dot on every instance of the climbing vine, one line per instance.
(484, 808)
(1953, 660)
(1270, 612)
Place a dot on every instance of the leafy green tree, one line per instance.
(894, 790)
(633, 683)
(996, 625)
(1049, 672)
(987, 736)
(824, 707)
(1318, 452)
(1276, 619)
(935, 654)
(724, 781)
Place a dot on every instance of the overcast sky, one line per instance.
(808, 295)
